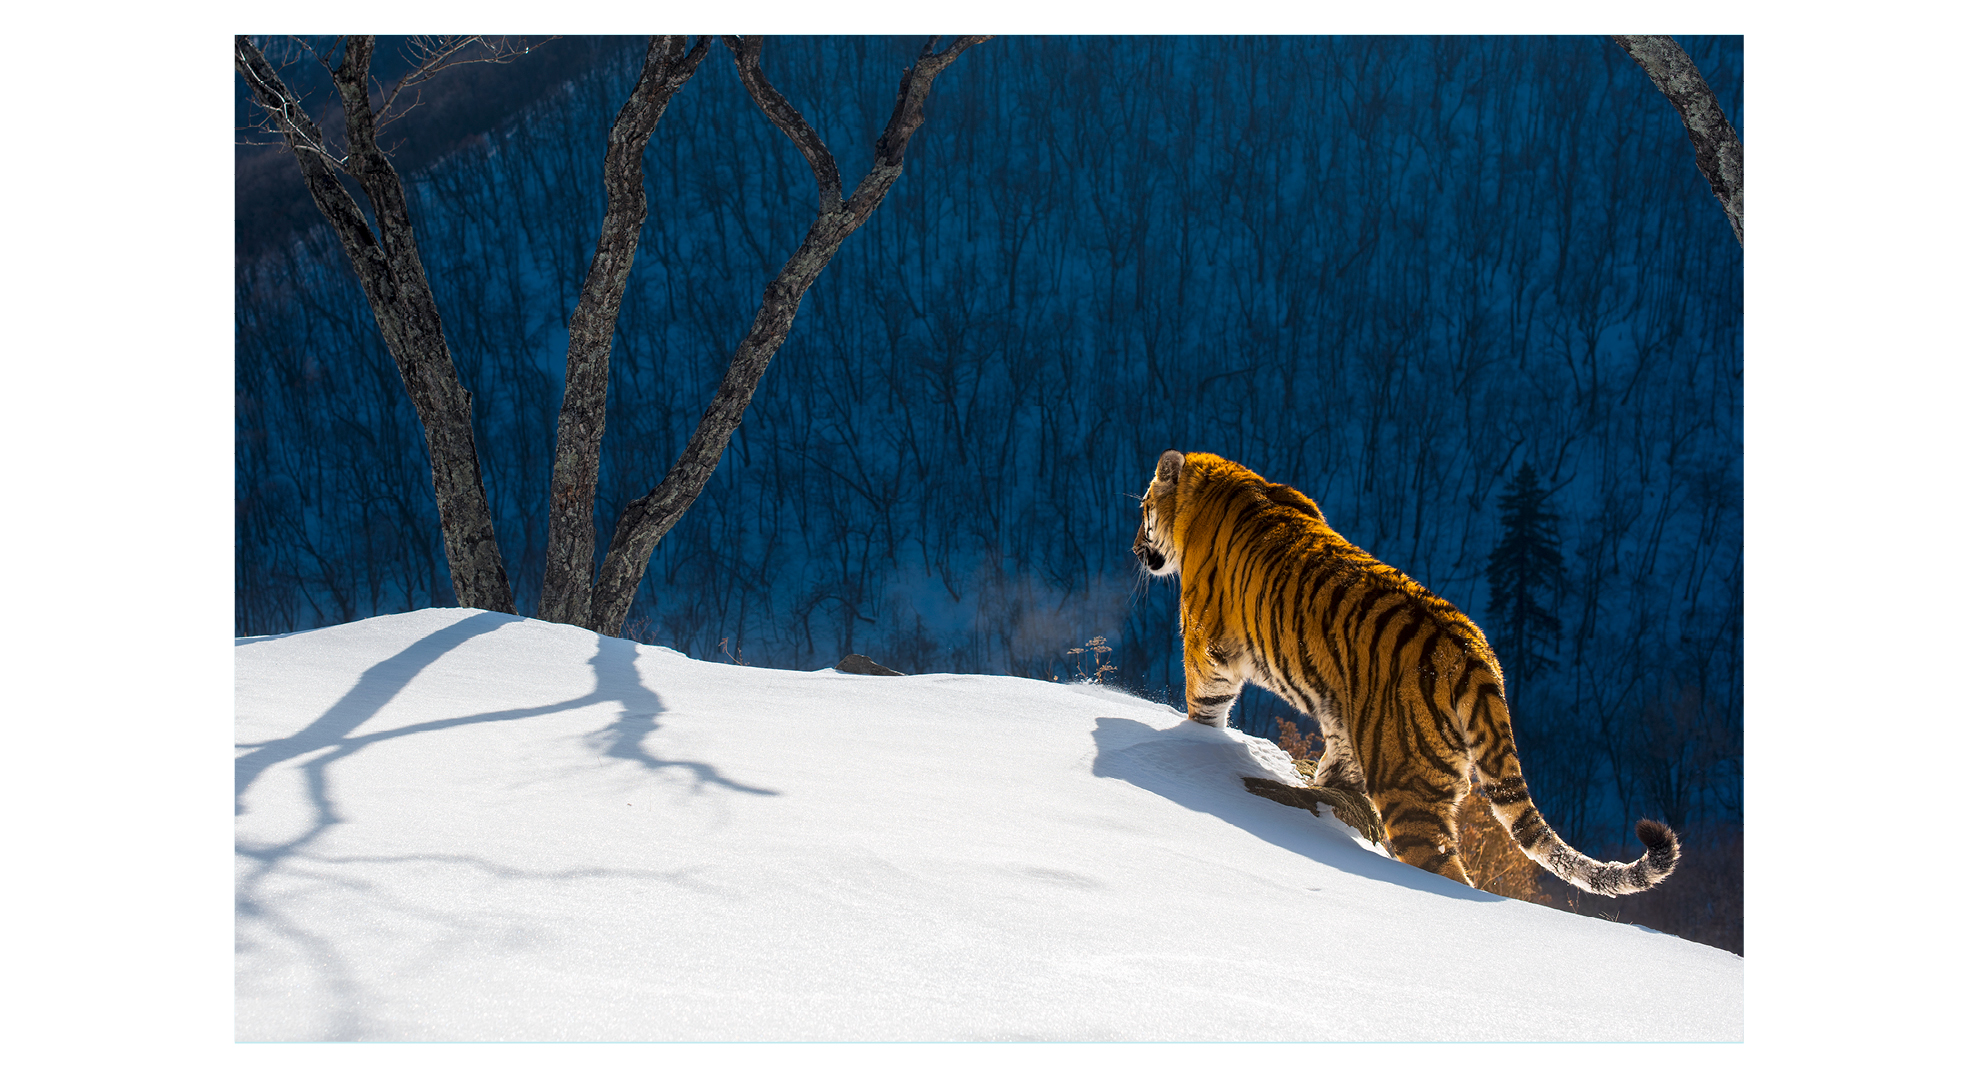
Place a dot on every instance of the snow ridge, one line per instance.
(459, 825)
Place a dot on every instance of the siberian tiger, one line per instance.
(1406, 692)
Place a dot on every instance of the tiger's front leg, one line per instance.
(1210, 683)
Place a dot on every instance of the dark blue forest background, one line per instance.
(1387, 271)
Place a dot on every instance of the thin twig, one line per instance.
(284, 113)
(434, 55)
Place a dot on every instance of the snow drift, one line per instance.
(458, 825)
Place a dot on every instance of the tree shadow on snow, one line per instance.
(616, 679)
(1201, 768)
(379, 684)
(624, 738)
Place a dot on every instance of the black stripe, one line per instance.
(1396, 816)
(1529, 830)
(1382, 620)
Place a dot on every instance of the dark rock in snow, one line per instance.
(856, 664)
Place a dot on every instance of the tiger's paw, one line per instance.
(1353, 807)
(1350, 806)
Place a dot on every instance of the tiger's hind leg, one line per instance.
(1339, 767)
(1339, 776)
(1422, 827)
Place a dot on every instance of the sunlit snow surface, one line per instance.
(456, 825)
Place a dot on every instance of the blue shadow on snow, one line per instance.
(1199, 768)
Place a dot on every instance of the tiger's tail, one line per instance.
(1504, 786)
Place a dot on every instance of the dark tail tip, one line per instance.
(1662, 842)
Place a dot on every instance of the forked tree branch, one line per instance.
(649, 518)
(1720, 155)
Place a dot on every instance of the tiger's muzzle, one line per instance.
(1146, 552)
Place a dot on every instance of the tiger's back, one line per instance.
(1405, 688)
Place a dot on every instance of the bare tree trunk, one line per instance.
(647, 519)
(1720, 156)
(581, 422)
(388, 266)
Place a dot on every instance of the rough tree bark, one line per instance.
(1720, 156)
(572, 537)
(647, 519)
(388, 266)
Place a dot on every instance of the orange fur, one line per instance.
(1403, 685)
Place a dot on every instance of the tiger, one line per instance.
(1409, 697)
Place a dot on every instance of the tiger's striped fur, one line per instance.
(1404, 687)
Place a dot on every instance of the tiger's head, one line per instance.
(1204, 488)
(1155, 540)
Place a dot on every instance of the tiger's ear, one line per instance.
(1169, 466)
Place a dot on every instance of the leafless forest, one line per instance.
(1389, 272)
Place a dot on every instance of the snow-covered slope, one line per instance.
(458, 825)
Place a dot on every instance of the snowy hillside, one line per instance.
(457, 825)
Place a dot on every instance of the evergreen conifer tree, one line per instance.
(1525, 567)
